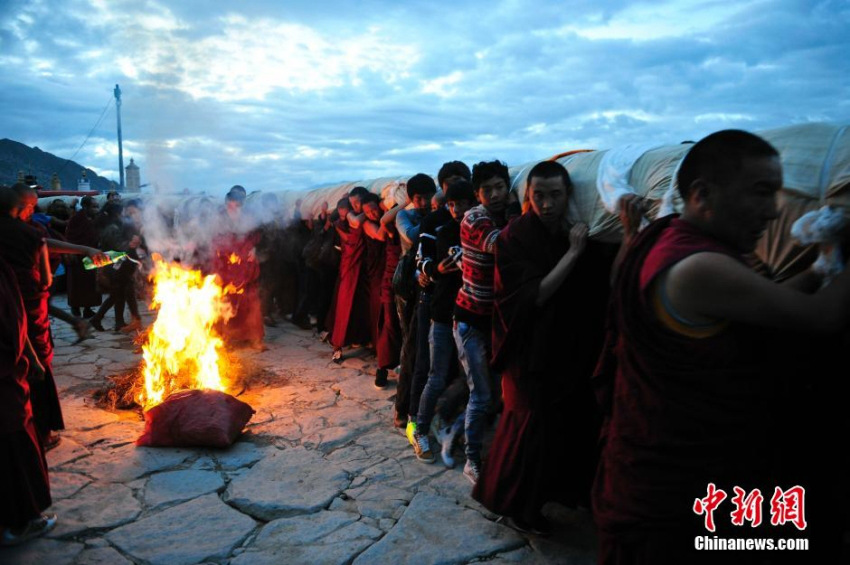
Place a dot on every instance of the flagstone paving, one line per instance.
(320, 476)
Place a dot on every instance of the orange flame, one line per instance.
(234, 259)
(183, 348)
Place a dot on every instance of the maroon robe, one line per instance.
(247, 323)
(348, 318)
(20, 249)
(682, 412)
(374, 267)
(389, 329)
(24, 484)
(82, 287)
(544, 447)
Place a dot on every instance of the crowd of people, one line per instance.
(38, 246)
(621, 378)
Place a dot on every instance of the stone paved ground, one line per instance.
(319, 477)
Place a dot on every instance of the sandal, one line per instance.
(34, 528)
(337, 356)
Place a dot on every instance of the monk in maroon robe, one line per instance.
(25, 250)
(235, 261)
(350, 309)
(24, 483)
(388, 346)
(551, 291)
(375, 260)
(691, 374)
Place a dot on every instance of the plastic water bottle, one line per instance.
(110, 258)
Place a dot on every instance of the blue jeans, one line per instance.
(441, 344)
(473, 347)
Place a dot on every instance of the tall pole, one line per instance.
(120, 146)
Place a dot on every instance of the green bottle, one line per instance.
(111, 258)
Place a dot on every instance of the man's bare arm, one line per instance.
(44, 266)
(59, 246)
(389, 215)
(355, 221)
(716, 286)
(374, 231)
(808, 281)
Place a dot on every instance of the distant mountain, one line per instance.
(15, 156)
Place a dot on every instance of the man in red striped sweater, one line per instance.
(474, 305)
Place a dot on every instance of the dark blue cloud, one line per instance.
(269, 96)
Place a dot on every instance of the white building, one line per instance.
(83, 184)
(133, 177)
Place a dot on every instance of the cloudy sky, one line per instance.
(290, 94)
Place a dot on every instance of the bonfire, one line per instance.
(185, 377)
(183, 348)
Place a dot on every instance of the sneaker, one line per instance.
(337, 356)
(446, 437)
(381, 379)
(422, 448)
(409, 431)
(34, 528)
(472, 471)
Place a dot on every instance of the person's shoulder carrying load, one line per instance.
(603, 180)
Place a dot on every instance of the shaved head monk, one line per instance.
(692, 372)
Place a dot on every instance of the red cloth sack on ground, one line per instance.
(195, 418)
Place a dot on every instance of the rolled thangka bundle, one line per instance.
(815, 161)
(816, 166)
(600, 178)
(392, 190)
